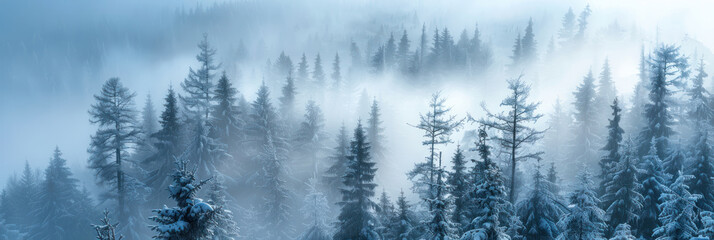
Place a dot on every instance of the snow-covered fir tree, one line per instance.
(355, 220)
(318, 74)
(149, 126)
(605, 94)
(583, 146)
(437, 125)
(488, 198)
(623, 232)
(191, 218)
(540, 211)
(287, 102)
(303, 74)
(339, 159)
(384, 213)
(700, 111)
(584, 220)
(375, 132)
(264, 124)
(315, 211)
(678, 212)
(623, 192)
(403, 225)
(653, 186)
(336, 75)
(459, 185)
(515, 127)
(702, 172)
(309, 141)
(440, 226)
(225, 228)
(276, 200)
(226, 120)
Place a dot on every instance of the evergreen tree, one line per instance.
(458, 186)
(440, 227)
(54, 207)
(377, 61)
(18, 196)
(318, 75)
(585, 220)
(385, 213)
(612, 151)
(276, 200)
(315, 210)
(481, 56)
(517, 56)
(390, 52)
(191, 218)
(438, 125)
(635, 118)
(149, 126)
(623, 191)
(552, 177)
(264, 124)
(355, 220)
(702, 171)
(224, 227)
(283, 65)
(622, 232)
(160, 164)
(356, 56)
(557, 138)
(678, 212)
(583, 149)
(446, 59)
(515, 132)
(375, 132)
(488, 198)
(115, 115)
(653, 186)
(302, 70)
(199, 84)
(700, 112)
(403, 53)
(226, 121)
(568, 29)
(540, 211)
(287, 102)
(422, 45)
(336, 75)
(528, 44)
(339, 162)
(674, 163)
(309, 142)
(605, 94)
(582, 23)
(663, 66)
(402, 226)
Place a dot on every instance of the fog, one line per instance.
(55, 55)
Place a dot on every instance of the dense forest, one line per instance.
(393, 125)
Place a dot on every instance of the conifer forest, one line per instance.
(356, 120)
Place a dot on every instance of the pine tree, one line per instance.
(302, 71)
(422, 45)
(276, 200)
(199, 84)
(582, 23)
(553, 178)
(556, 140)
(315, 210)
(263, 124)
(653, 186)
(674, 163)
(605, 94)
(438, 125)
(224, 227)
(678, 211)
(540, 211)
(528, 44)
(517, 57)
(336, 75)
(18, 196)
(612, 151)
(149, 126)
(309, 142)
(583, 149)
(160, 164)
(226, 122)
(403, 226)
(623, 193)
(403, 53)
(339, 162)
(385, 213)
(375, 132)
(458, 186)
(287, 102)
(377, 61)
(700, 112)
(355, 220)
(440, 227)
(568, 29)
(515, 132)
(191, 218)
(115, 115)
(488, 199)
(54, 206)
(622, 232)
(480, 53)
(585, 220)
(318, 75)
(702, 171)
(283, 65)
(663, 66)
(390, 52)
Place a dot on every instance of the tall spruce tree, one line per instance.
(606, 92)
(199, 83)
(226, 119)
(403, 53)
(653, 186)
(702, 171)
(700, 111)
(355, 220)
(115, 116)
(375, 132)
(459, 185)
(390, 52)
(582, 24)
(568, 26)
(440, 226)
(584, 220)
(287, 102)
(540, 210)
(635, 120)
(309, 141)
(336, 75)
(338, 167)
(302, 71)
(318, 74)
(437, 125)
(528, 44)
(384, 213)
(612, 151)
(623, 192)
(403, 225)
(515, 130)
(678, 211)
(224, 227)
(583, 146)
